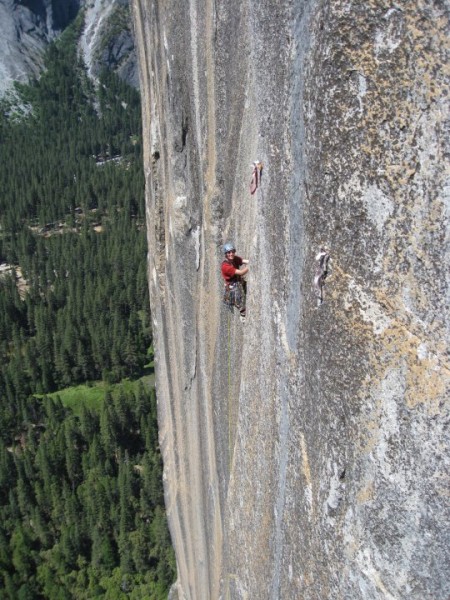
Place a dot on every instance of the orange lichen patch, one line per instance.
(406, 342)
(402, 343)
(426, 377)
(425, 384)
(366, 494)
(403, 348)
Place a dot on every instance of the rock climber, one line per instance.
(233, 269)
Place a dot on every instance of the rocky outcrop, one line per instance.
(107, 40)
(306, 453)
(28, 27)
(26, 30)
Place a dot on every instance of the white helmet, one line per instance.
(228, 247)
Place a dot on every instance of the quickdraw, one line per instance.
(256, 176)
(322, 272)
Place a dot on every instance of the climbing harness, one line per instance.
(256, 176)
(234, 295)
(322, 272)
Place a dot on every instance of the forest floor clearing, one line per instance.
(93, 394)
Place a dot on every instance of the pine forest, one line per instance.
(81, 498)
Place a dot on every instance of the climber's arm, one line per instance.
(242, 271)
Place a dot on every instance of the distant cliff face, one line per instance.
(27, 28)
(107, 39)
(306, 452)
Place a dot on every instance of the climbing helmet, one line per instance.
(228, 247)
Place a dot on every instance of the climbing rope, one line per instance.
(229, 392)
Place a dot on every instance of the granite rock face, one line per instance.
(306, 452)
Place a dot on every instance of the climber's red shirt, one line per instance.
(229, 268)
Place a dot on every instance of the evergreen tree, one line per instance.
(81, 502)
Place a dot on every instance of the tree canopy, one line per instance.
(81, 501)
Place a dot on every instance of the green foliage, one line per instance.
(81, 502)
(72, 219)
(90, 396)
(82, 512)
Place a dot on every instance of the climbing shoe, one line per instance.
(242, 318)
